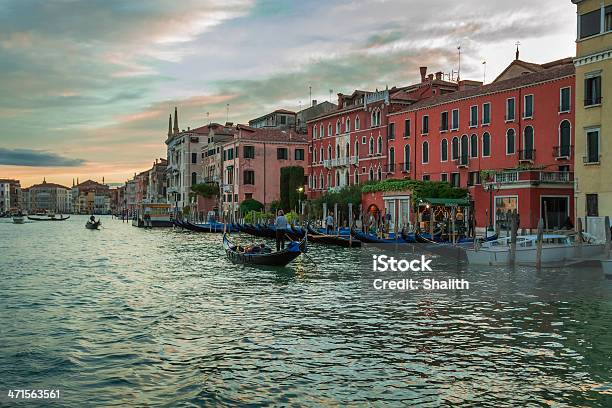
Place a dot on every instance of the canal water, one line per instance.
(132, 317)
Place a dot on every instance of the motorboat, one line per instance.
(18, 219)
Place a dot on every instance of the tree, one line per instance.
(207, 190)
(250, 204)
(291, 178)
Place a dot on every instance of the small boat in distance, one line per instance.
(49, 217)
(93, 225)
(18, 219)
(262, 255)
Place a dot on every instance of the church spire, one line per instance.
(176, 128)
(170, 126)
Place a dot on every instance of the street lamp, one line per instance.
(490, 187)
(300, 190)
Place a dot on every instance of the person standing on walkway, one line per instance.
(281, 229)
(329, 223)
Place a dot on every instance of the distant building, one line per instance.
(14, 194)
(130, 196)
(49, 197)
(91, 197)
(279, 119)
(156, 189)
(316, 109)
(5, 197)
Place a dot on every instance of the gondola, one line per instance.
(93, 225)
(237, 254)
(48, 218)
(373, 239)
(316, 236)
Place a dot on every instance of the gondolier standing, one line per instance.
(281, 229)
(329, 224)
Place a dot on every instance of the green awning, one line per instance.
(447, 202)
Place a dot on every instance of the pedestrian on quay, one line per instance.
(329, 223)
(281, 229)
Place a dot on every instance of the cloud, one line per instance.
(36, 158)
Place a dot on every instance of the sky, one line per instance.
(86, 87)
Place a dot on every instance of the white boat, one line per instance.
(606, 266)
(18, 219)
(556, 249)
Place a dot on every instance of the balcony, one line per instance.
(462, 162)
(562, 152)
(389, 168)
(527, 155)
(340, 161)
(533, 176)
(354, 160)
(327, 164)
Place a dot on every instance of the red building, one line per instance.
(350, 144)
(516, 132)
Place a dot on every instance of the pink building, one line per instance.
(250, 163)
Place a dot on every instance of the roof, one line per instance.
(283, 111)
(48, 185)
(91, 183)
(271, 135)
(544, 75)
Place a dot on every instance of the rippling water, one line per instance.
(131, 317)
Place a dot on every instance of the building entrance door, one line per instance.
(554, 211)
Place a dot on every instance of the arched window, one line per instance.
(337, 177)
(356, 176)
(314, 132)
(371, 151)
(406, 165)
(321, 134)
(392, 159)
(356, 151)
(347, 125)
(347, 152)
(444, 150)
(473, 146)
(329, 129)
(371, 176)
(337, 151)
(510, 142)
(194, 178)
(329, 180)
(321, 181)
(464, 149)
(379, 151)
(338, 127)
(425, 155)
(379, 173)
(565, 139)
(378, 118)
(321, 154)
(528, 144)
(357, 124)
(455, 149)
(486, 145)
(314, 156)
(329, 152)
(310, 181)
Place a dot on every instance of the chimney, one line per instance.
(430, 77)
(340, 101)
(423, 73)
(314, 102)
(439, 75)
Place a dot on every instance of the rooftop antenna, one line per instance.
(208, 117)
(226, 113)
(459, 70)
(310, 94)
(517, 49)
(331, 91)
(484, 75)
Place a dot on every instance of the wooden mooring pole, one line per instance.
(579, 237)
(513, 233)
(539, 243)
(350, 217)
(608, 233)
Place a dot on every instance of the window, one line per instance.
(230, 154)
(329, 152)
(473, 116)
(371, 149)
(338, 127)
(444, 177)
(314, 132)
(230, 175)
(592, 90)
(444, 121)
(425, 157)
(249, 177)
(455, 149)
(281, 153)
(375, 118)
(592, 138)
(590, 23)
(391, 160)
(379, 173)
(592, 209)
(564, 100)
(248, 196)
(329, 129)
(510, 144)
(425, 125)
(321, 133)
(455, 120)
(608, 19)
(510, 109)
(391, 130)
(486, 145)
(565, 139)
(380, 144)
(194, 158)
(426, 177)
(486, 113)
(314, 156)
(528, 144)
(194, 178)
(371, 175)
(357, 123)
(363, 140)
(473, 178)
(464, 150)
(321, 181)
(455, 179)
(356, 151)
(528, 108)
(473, 146)
(356, 177)
(283, 120)
(347, 150)
(406, 165)
(321, 157)
(347, 125)
(249, 152)
(407, 128)
(337, 151)
(444, 150)
(299, 154)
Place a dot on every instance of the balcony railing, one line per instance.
(520, 176)
(354, 160)
(527, 155)
(462, 161)
(405, 167)
(340, 161)
(563, 151)
(390, 168)
(327, 164)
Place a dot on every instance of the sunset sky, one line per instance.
(86, 86)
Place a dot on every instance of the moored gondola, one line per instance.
(316, 236)
(373, 239)
(48, 218)
(259, 255)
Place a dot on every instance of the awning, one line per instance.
(447, 202)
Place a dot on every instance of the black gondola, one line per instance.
(48, 218)
(238, 255)
(93, 225)
(316, 236)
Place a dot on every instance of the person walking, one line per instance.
(329, 223)
(281, 229)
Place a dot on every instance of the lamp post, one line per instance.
(300, 190)
(491, 186)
